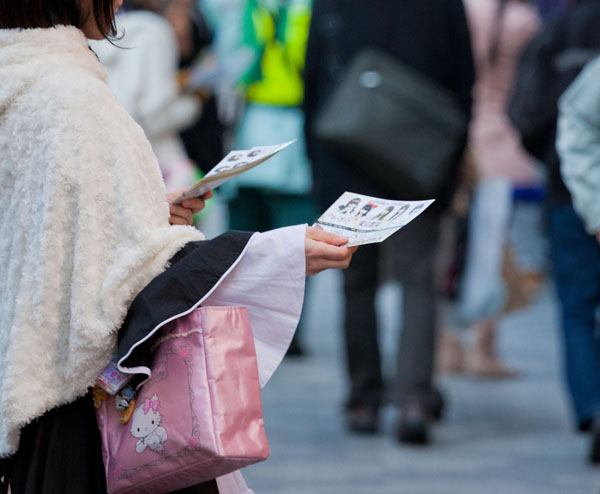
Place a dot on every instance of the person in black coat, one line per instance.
(431, 36)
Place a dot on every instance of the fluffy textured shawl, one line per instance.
(83, 223)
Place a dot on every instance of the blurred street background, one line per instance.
(497, 437)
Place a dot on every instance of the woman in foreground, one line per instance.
(84, 228)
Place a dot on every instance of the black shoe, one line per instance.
(594, 455)
(438, 406)
(585, 425)
(362, 419)
(295, 349)
(414, 423)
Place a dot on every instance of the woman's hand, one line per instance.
(182, 214)
(324, 251)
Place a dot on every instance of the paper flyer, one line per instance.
(233, 164)
(369, 220)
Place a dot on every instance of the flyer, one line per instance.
(368, 220)
(235, 163)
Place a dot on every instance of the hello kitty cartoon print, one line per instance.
(146, 426)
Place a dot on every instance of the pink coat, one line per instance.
(494, 142)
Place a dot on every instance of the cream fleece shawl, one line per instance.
(83, 222)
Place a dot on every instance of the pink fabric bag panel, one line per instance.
(200, 414)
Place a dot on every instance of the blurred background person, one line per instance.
(579, 149)
(500, 30)
(578, 145)
(225, 20)
(142, 71)
(431, 37)
(273, 88)
(204, 137)
(552, 61)
(278, 193)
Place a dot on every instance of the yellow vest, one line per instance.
(279, 35)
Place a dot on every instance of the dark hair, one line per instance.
(49, 13)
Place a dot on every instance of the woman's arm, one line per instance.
(322, 250)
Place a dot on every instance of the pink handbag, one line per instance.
(198, 417)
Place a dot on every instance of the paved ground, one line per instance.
(508, 437)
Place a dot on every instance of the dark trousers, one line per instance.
(410, 256)
(576, 263)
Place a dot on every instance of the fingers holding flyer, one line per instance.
(235, 163)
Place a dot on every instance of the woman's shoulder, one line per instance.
(76, 95)
(73, 83)
(82, 116)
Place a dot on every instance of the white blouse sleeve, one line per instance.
(269, 280)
